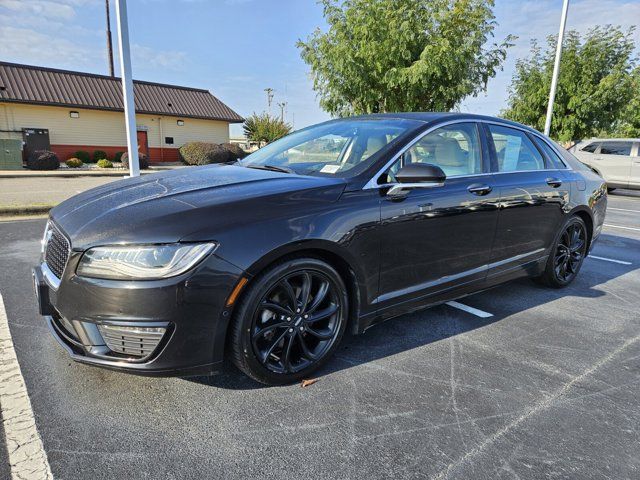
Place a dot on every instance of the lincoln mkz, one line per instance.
(331, 229)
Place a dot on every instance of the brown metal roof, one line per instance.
(48, 86)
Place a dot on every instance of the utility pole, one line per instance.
(282, 106)
(556, 67)
(269, 91)
(109, 44)
(127, 87)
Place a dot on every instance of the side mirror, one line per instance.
(417, 175)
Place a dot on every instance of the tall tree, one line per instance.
(402, 55)
(630, 118)
(594, 84)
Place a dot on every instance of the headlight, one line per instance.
(142, 262)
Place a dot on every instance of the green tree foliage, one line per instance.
(630, 119)
(595, 84)
(265, 128)
(402, 55)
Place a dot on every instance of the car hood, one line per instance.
(169, 206)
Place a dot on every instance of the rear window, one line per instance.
(616, 148)
(550, 153)
(591, 148)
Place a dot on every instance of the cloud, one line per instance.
(166, 59)
(43, 8)
(34, 47)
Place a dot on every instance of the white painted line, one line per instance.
(637, 229)
(621, 262)
(471, 310)
(623, 209)
(27, 458)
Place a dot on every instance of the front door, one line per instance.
(143, 142)
(533, 195)
(438, 238)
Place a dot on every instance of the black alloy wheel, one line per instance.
(290, 319)
(567, 255)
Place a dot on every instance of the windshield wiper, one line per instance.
(273, 168)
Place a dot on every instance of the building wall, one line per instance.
(104, 130)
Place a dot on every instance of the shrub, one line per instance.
(142, 160)
(100, 155)
(104, 163)
(74, 163)
(118, 157)
(265, 128)
(43, 160)
(202, 153)
(83, 155)
(236, 153)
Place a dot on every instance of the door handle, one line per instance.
(479, 188)
(554, 182)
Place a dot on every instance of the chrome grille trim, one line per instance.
(56, 252)
(133, 342)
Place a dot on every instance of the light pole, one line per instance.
(556, 68)
(269, 91)
(109, 44)
(127, 87)
(282, 106)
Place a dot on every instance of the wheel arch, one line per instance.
(587, 217)
(324, 250)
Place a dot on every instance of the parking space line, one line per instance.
(27, 458)
(623, 209)
(471, 310)
(621, 262)
(637, 229)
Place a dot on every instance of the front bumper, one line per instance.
(189, 311)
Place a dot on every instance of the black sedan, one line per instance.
(331, 229)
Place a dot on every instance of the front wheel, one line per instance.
(289, 321)
(567, 255)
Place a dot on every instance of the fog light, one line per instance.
(132, 341)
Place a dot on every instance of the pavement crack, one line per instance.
(546, 403)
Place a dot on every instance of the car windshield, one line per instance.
(339, 148)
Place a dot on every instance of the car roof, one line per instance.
(435, 117)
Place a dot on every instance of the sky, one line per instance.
(237, 48)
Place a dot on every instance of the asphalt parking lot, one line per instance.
(547, 386)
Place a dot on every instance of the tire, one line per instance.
(276, 342)
(567, 255)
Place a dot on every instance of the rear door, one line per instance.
(533, 193)
(613, 161)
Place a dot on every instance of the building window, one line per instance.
(168, 140)
(180, 123)
(74, 114)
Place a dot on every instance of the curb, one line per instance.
(116, 174)
(14, 210)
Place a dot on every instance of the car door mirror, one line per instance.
(417, 175)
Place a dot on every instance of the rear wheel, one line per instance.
(567, 255)
(289, 321)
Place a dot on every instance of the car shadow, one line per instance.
(440, 322)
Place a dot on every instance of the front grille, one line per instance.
(131, 341)
(56, 252)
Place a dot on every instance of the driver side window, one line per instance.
(454, 148)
